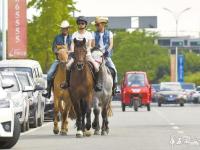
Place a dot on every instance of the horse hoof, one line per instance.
(79, 134)
(96, 132)
(103, 133)
(63, 132)
(87, 133)
(55, 131)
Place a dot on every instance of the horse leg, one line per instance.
(77, 109)
(105, 121)
(95, 124)
(96, 111)
(64, 120)
(56, 111)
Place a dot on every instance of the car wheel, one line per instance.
(135, 104)
(181, 104)
(123, 107)
(148, 107)
(159, 104)
(10, 142)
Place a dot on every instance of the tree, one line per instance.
(137, 51)
(43, 28)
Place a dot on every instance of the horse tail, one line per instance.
(109, 110)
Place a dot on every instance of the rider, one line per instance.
(63, 39)
(80, 35)
(103, 39)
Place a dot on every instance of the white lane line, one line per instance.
(171, 124)
(180, 132)
(162, 116)
(175, 128)
(35, 129)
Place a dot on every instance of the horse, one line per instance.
(62, 101)
(81, 88)
(103, 98)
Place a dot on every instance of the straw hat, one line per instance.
(100, 20)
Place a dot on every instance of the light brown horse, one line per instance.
(81, 88)
(62, 101)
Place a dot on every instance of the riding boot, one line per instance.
(114, 89)
(48, 93)
(66, 83)
(98, 80)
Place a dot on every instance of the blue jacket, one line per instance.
(106, 40)
(59, 40)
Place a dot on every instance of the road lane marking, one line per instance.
(175, 128)
(35, 129)
(180, 132)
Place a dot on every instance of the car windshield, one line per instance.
(136, 79)
(170, 87)
(15, 88)
(20, 69)
(23, 78)
(188, 86)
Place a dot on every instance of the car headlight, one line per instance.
(4, 104)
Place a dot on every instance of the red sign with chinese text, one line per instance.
(17, 29)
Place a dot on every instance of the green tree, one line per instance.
(137, 51)
(43, 28)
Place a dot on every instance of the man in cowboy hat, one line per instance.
(63, 39)
(103, 39)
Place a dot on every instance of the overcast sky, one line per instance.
(189, 22)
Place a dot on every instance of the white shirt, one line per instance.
(101, 44)
(87, 35)
(65, 40)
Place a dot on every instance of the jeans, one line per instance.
(110, 64)
(52, 70)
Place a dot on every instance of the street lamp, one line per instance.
(176, 17)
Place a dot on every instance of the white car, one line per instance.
(196, 95)
(20, 99)
(9, 123)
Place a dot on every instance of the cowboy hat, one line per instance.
(64, 24)
(100, 20)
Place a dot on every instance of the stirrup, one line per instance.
(46, 95)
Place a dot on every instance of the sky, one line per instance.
(189, 21)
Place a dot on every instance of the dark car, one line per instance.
(171, 93)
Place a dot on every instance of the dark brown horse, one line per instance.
(81, 88)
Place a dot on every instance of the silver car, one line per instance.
(20, 99)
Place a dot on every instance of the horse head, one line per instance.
(62, 54)
(80, 51)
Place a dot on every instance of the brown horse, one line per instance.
(62, 101)
(81, 88)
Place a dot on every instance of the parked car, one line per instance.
(34, 69)
(155, 88)
(9, 123)
(36, 108)
(135, 90)
(171, 93)
(196, 95)
(190, 89)
(20, 99)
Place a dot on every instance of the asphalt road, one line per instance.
(166, 128)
